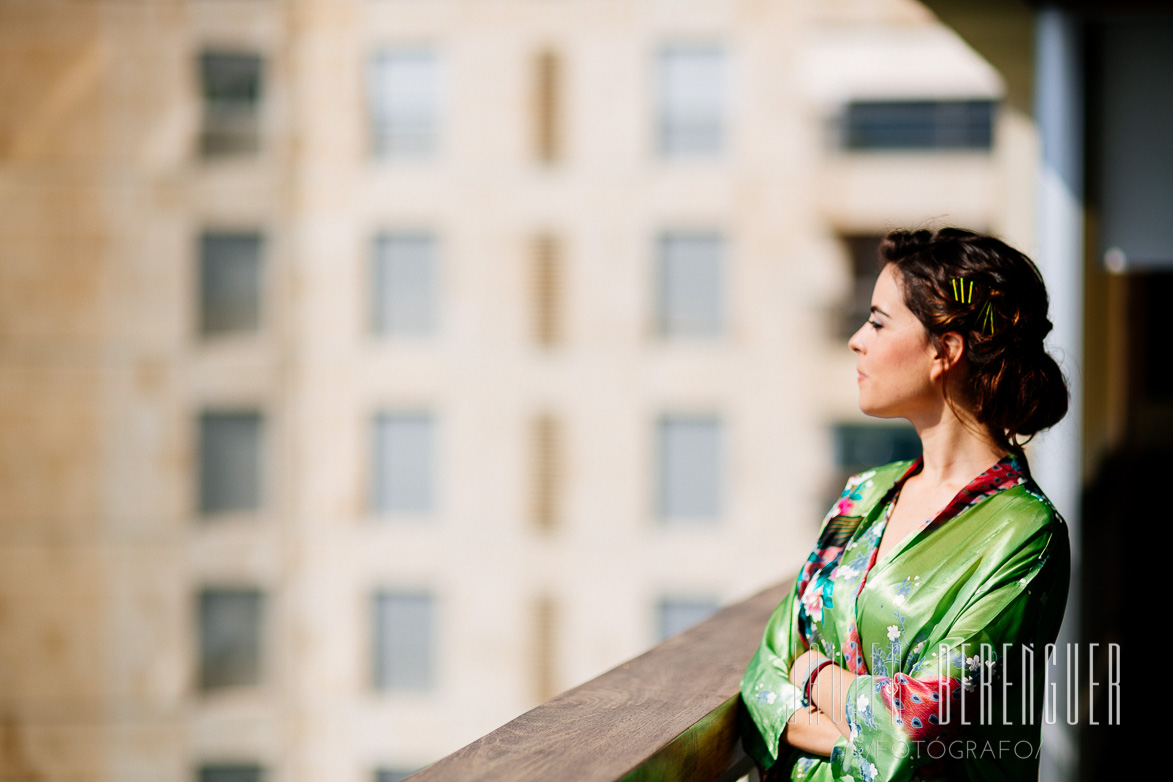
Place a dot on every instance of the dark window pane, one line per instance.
(863, 446)
(230, 462)
(689, 468)
(231, 85)
(919, 125)
(676, 616)
(230, 637)
(393, 774)
(403, 642)
(230, 282)
(863, 255)
(231, 772)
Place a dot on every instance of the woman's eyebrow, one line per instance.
(877, 309)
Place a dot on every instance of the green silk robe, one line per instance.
(950, 626)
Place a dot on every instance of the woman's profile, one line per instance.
(912, 645)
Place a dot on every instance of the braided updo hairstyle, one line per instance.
(1011, 383)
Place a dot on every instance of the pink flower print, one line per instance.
(812, 600)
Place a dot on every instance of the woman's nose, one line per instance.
(856, 341)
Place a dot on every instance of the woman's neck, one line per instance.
(955, 453)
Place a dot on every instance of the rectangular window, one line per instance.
(230, 462)
(689, 469)
(859, 447)
(404, 285)
(404, 626)
(230, 283)
(393, 774)
(691, 95)
(230, 637)
(676, 615)
(231, 84)
(689, 285)
(405, 103)
(863, 446)
(863, 256)
(231, 772)
(404, 463)
(918, 124)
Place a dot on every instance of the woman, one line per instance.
(913, 643)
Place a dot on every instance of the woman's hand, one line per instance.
(811, 731)
(831, 700)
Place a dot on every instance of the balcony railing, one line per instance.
(669, 714)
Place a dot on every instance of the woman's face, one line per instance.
(895, 359)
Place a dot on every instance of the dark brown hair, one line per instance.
(1012, 385)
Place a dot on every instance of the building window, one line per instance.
(860, 447)
(548, 106)
(405, 103)
(393, 774)
(404, 463)
(689, 469)
(230, 637)
(230, 283)
(404, 627)
(230, 462)
(404, 285)
(691, 87)
(232, 101)
(863, 256)
(689, 285)
(230, 772)
(675, 615)
(918, 125)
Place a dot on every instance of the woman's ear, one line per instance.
(951, 347)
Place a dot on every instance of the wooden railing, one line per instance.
(669, 714)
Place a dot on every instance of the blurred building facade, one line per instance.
(372, 370)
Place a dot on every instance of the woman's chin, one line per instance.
(876, 411)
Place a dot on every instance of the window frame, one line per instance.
(674, 121)
(382, 672)
(381, 112)
(666, 513)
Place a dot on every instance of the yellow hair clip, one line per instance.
(959, 291)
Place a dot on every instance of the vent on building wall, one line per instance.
(545, 632)
(548, 106)
(546, 472)
(547, 294)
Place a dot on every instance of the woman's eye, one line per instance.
(875, 323)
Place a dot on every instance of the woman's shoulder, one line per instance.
(881, 478)
(1025, 505)
(864, 489)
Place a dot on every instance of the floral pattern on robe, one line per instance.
(935, 632)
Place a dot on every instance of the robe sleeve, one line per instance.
(769, 697)
(893, 719)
